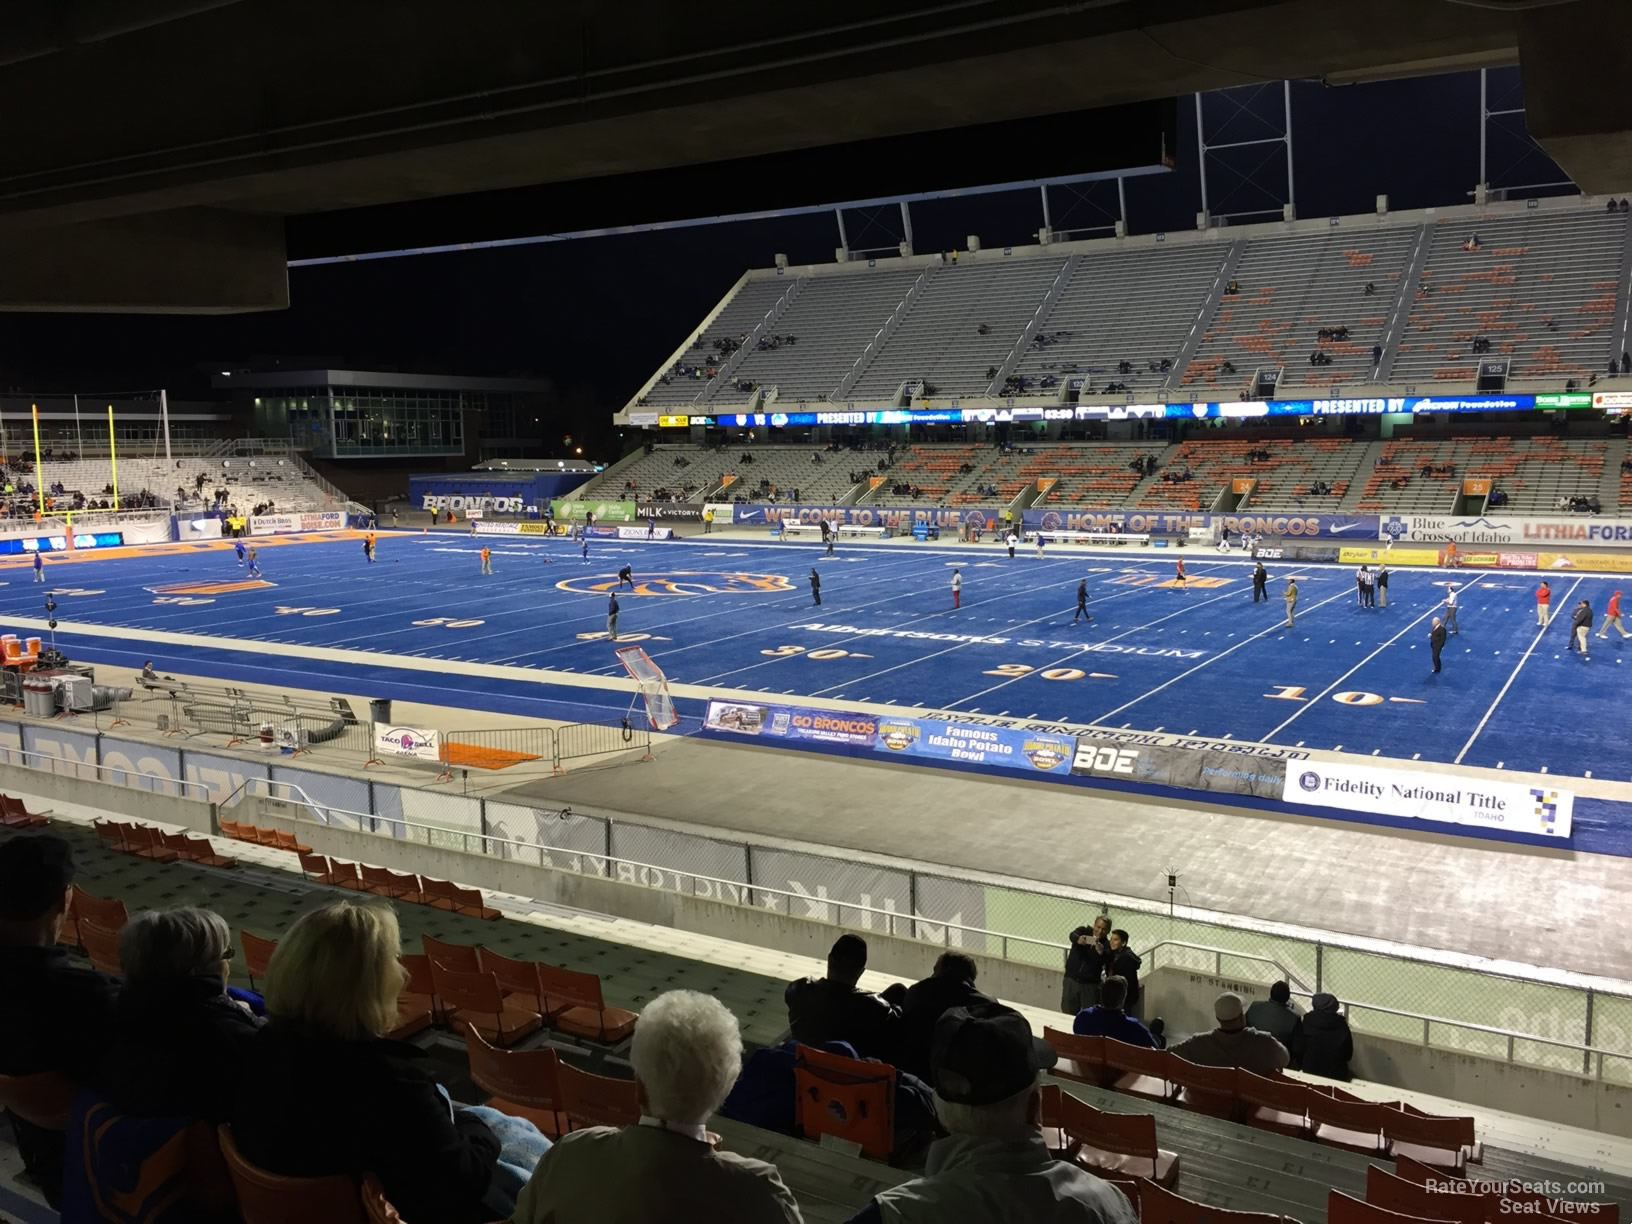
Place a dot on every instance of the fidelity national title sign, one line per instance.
(1437, 798)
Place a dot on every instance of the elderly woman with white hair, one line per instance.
(178, 1036)
(687, 1053)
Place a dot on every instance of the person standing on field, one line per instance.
(1291, 598)
(1436, 641)
(1382, 586)
(1612, 616)
(957, 589)
(1260, 579)
(487, 559)
(1082, 602)
(1544, 600)
(1450, 609)
(815, 589)
(1580, 627)
(1011, 542)
(612, 615)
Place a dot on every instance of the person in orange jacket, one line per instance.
(1612, 616)
(1544, 599)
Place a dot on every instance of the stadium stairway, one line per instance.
(1223, 1164)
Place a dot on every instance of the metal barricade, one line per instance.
(579, 741)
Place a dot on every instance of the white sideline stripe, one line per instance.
(1514, 675)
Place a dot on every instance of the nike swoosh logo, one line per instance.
(1345, 527)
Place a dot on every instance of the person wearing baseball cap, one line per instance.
(1233, 1043)
(995, 1167)
(54, 1016)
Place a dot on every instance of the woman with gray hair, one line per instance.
(687, 1053)
(178, 1036)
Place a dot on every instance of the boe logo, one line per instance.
(1105, 760)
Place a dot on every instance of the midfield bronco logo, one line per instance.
(685, 582)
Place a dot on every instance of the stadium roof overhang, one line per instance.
(155, 147)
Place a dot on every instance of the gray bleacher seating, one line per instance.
(831, 320)
(1541, 287)
(1289, 289)
(939, 339)
(752, 300)
(1123, 305)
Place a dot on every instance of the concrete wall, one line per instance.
(195, 815)
(596, 892)
(1185, 1000)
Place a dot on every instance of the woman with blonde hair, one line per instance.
(324, 1090)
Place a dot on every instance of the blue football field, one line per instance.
(728, 615)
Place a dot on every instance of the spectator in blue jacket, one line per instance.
(1109, 1020)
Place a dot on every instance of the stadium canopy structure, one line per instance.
(180, 136)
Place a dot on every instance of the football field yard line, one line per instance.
(1139, 590)
(1332, 687)
(859, 637)
(1275, 628)
(1514, 675)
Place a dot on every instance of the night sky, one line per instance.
(598, 315)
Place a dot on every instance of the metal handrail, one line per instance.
(8, 753)
(1597, 1054)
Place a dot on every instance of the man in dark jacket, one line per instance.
(1109, 1020)
(1580, 627)
(1086, 956)
(1436, 641)
(54, 1016)
(1259, 579)
(952, 984)
(1323, 1044)
(180, 1036)
(1276, 1015)
(1124, 963)
(835, 1009)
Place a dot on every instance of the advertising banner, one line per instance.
(722, 512)
(1439, 798)
(919, 739)
(198, 528)
(1580, 529)
(415, 742)
(1025, 751)
(679, 512)
(1358, 555)
(1614, 563)
(515, 493)
(642, 533)
(792, 723)
(1182, 523)
(899, 519)
(1188, 768)
(495, 527)
(604, 511)
(283, 524)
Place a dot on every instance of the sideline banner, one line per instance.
(680, 512)
(283, 524)
(645, 533)
(493, 527)
(897, 518)
(1182, 523)
(998, 747)
(1614, 563)
(1577, 529)
(604, 511)
(722, 512)
(415, 742)
(1435, 797)
(1187, 768)
(1389, 556)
